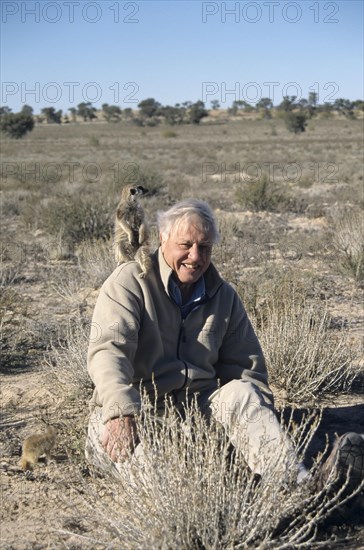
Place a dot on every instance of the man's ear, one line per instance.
(162, 240)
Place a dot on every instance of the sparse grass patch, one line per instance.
(30, 211)
(305, 183)
(49, 306)
(10, 203)
(178, 187)
(67, 284)
(12, 307)
(265, 289)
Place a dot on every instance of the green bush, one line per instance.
(295, 122)
(169, 134)
(78, 219)
(263, 195)
(94, 141)
(16, 125)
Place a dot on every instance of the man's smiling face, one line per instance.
(188, 251)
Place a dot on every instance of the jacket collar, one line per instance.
(212, 278)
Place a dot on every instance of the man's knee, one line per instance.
(240, 400)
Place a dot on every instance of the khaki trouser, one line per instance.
(249, 421)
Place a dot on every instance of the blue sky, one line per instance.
(59, 53)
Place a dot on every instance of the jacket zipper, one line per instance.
(182, 338)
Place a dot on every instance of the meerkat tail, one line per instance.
(144, 259)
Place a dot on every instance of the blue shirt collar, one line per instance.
(198, 294)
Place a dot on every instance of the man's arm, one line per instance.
(113, 343)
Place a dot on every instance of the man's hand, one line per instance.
(120, 437)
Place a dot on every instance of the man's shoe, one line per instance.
(345, 464)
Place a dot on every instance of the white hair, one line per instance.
(183, 211)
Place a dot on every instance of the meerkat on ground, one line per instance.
(131, 234)
(37, 445)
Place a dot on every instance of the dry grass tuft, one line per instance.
(96, 261)
(304, 356)
(66, 359)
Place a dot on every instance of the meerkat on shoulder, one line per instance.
(131, 234)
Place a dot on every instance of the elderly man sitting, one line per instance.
(183, 332)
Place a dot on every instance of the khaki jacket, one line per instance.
(139, 339)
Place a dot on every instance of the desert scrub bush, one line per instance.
(67, 359)
(150, 179)
(191, 490)
(96, 261)
(272, 288)
(79, 217)
(295, 122)
(15, 336)
(94, 141)
(178, 187)
(304, 356)
(12, 309)
(16, 125)
(68, 283)
(169, 134)
(11, 302)
(348, 239)
(262, 194)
